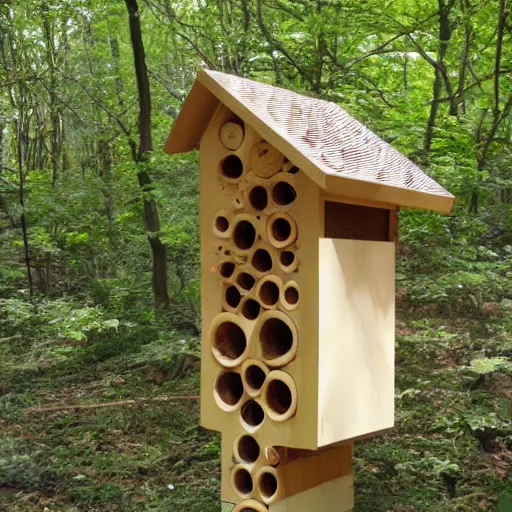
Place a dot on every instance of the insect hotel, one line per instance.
(298, 213)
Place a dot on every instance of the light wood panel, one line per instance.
(334, 496)
(217, 195)
(194, 117)
(356, 338)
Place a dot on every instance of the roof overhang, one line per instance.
(200, 106)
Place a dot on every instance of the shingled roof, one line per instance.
(335, 150)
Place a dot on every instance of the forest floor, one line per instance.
(450, 449)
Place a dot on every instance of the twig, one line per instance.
(122, 403)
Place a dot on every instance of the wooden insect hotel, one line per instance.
(298, 213)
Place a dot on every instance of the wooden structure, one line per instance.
(298, 212)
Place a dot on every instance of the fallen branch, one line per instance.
(122, 403)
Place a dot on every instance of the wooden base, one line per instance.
(291, 471)
(336, 495)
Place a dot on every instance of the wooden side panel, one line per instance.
(357, 319)
(336, 495)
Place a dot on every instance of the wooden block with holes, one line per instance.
(298, 214)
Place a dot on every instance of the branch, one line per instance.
(497, 64)
(161, 81)
(277, 45)
(124, 129)
(435, 64)
(476, 83)
(122, 403)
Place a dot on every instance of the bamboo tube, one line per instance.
(268, 291)
(246, 449)
(238, 201)
(228, 339)
(263, 258)
(245, 280)
(228, 391)
(250, 308)
(288, 261)
(290, 168)
(278, 338)
(231, 298)
(283, 193)
(281, 230)
(258, 197)
(272, 455)
(279, 396)
(245, 232)
(241, 480)
(250, 506)
(231, 168)
(267, 484)
(222, 225)
(252, 416)
(232, 135)
(266, 160)
(290, 295)
(226, 268)
(254, 373)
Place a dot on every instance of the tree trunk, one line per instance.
(21, 190)
(151, 219)
(445, 34)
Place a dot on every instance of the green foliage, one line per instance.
(69, 80)
(486, 365)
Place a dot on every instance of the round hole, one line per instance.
(293, 170)
(281, 229)
(287, 258)
(229, 341)
(269, 293)
(258, 198)
(226, 269)
(261, 260)
(252, 413)
(279, 397)
(245, 281)
(276, 338)
(242, 481)
(248, 449)
(233, 297)
(232, 167)
(229, 388)
(283, 194)
(251, 309)
(291, 295)
(244, 235)
(255, 376)
(268, 485)
(222, 224)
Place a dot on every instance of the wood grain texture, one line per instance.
(356, 337)
(335, 150)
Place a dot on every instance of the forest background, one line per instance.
(99, 290)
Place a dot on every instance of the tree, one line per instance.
(142, 158)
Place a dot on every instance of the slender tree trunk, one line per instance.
(55, 145)
(498, 115)
(151, 219)
(445, 34)
(21, 191)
